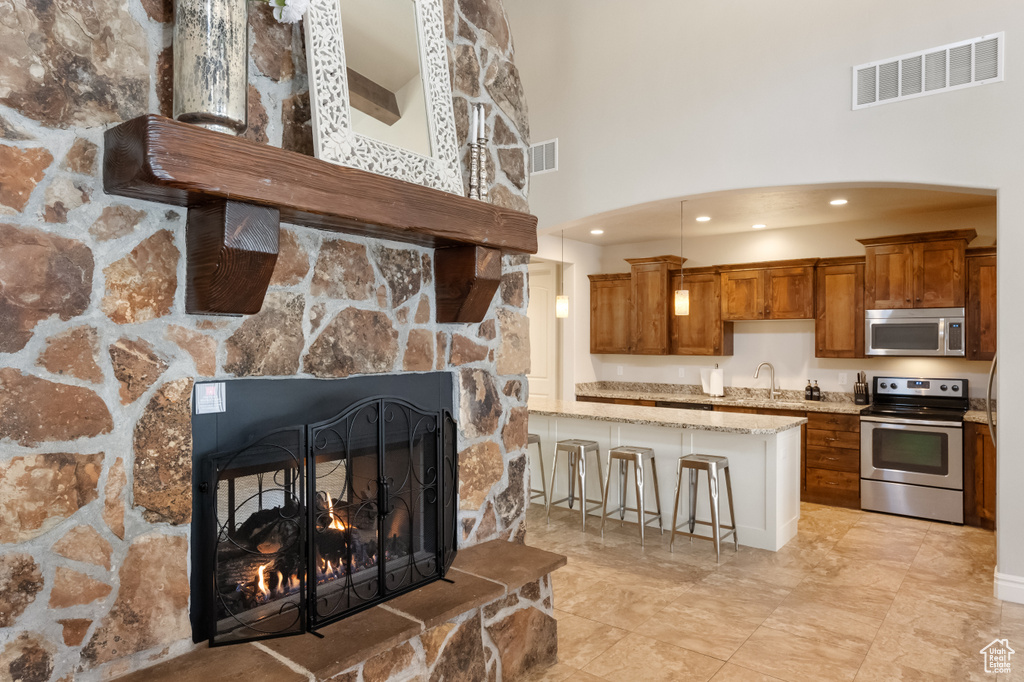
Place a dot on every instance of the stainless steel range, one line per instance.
(911, 448)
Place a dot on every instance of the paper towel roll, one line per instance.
(705, 379)
(717, 382)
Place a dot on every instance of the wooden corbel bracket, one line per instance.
(467, 277)
(231, 250)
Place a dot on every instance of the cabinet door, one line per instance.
(889, 277)
(610, 315)
(981, 308)
(979, 477)
(702, 332)
(743, 295)
(789, 293)
(939, 274)
(650, 309)
(839, 324)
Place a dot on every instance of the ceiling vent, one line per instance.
(544, 157)
(959, 65)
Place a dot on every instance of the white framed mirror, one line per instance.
(379, 89)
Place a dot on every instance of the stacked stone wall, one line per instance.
(98, 358)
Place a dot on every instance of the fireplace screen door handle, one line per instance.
(385, 503)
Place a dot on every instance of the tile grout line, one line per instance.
(289, 663)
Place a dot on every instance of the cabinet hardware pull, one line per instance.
(831, 482)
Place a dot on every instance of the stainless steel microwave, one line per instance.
(915, 332)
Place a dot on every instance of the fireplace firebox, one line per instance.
(317, 499)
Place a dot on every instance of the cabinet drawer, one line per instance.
(841, 483)
(833, 439)
(836, 459)
(833, 422)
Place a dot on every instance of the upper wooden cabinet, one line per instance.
(610, 313)
(981, 303)
(839, 323)
(702, 332)
(652, 301)
(775, 290)
(743, 295)
(924, 270)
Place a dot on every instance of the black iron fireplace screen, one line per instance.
(308, 524)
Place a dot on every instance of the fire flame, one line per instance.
(336, 523)
(261, 584)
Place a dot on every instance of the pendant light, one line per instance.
(562, 301)
(682, 298)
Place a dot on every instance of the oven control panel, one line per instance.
(934, 388)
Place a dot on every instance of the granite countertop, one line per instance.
(978, 417)
(703, 420)
(791, 400)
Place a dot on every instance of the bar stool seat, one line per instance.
(576, 451)
(534, 439)
(639, 457)
(711, 464)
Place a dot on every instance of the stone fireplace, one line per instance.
(98, 358)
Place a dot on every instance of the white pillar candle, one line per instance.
(473, 125)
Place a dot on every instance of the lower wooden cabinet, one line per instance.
(979, 477)
(832, 460)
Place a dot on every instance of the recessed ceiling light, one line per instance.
(759, 226)
(838, 202)
(703, 218)
(597, 232)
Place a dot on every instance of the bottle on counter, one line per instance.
(808, 391)
(815, 392)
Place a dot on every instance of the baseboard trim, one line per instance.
(1009, 587)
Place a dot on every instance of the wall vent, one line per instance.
(544, 157)
(958, 65)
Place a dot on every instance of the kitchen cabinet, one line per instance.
(832, 459)
(923, 270)
(651, 303)
(702, 332)
(979, 477)
(611, 316)
(981, 303)
(839, 319)
(775, 290)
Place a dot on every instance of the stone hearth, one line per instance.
(98, 358)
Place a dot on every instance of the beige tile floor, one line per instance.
(855, 596)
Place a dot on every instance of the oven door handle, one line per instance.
(911, 422)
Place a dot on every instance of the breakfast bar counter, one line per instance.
(763, 452)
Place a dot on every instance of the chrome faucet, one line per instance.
(773, 394)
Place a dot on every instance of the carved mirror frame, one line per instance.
(335, 140)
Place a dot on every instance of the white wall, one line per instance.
(665, 98)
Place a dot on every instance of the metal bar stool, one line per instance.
(534, 439)
(576, 451)
(625, 455)
(712, 464)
